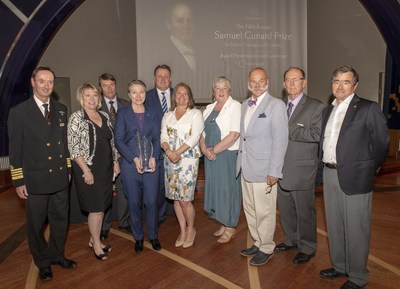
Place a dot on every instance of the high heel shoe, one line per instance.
(178, 242)
(219, 232)
(229, 234)
(101, 257)
(106, 248)
(190, 242)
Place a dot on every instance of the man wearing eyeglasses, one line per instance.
(354, 143)
(296, 188)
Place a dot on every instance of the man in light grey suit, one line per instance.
(296, 188)
(110, 104)
(263, 142)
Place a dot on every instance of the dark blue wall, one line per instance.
(25, 43)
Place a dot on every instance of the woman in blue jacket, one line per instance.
(137, 131)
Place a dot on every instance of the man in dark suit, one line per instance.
(110, 104)
(296, 188)
(354, 143)
(40, 170)
(160, 100)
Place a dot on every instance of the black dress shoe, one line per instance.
(155, 244)
(249, 252)
(127, 228)
(330, 273)
(139, 246)
(65, 263)
(45, 274)
(283, 247)
(103, 234)
(301, 258)
(351, 285)
(260, 259)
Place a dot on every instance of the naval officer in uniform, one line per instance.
(40, 167)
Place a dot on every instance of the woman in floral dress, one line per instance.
(181, 129)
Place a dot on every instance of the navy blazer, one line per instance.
(126, 127)
(153, 102)
(362, 145)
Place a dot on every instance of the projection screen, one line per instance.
(201, 40)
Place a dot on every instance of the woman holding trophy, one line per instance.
(181, 129)
(137, 139)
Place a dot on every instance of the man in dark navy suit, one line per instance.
(354, 143)
(40, 170)
(110, 104)
(160, 99)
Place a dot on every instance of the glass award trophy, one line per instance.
(145, 151)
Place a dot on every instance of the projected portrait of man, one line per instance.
(179, 23)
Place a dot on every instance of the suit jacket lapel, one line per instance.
(260, 108)
(37, 117)
(104, 106)
(351, 110)
(131, 117)
(157, 99)
(298, 108)
(325, 118)
(55, 121)
(146, 123)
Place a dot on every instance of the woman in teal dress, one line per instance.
(219, 144)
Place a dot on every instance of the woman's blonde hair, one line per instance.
(81, 91)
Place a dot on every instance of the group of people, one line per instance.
(261, 153)
(286, 147)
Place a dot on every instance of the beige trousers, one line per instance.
(260, 210)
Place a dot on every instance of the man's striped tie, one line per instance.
(164, 102)
(46, 112)
(113, 113)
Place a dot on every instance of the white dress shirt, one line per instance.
(251, 109)
(115, 104)
(40, 104)
(332, 129)
(167, 96)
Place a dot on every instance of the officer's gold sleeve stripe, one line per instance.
(16, 174)
(68, 162)
(14, 178)
(16, 170)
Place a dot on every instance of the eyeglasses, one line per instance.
(294, 80)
